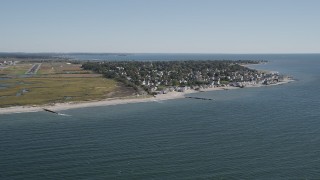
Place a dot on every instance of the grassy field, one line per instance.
(55, 83)
(61, 68)
(16, 70)
(34, 91)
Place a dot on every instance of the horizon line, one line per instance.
(152, 53)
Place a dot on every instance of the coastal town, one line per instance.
(161, 77)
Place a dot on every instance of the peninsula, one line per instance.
(31, 84)
(161, 77)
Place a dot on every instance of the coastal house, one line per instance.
(182, 89)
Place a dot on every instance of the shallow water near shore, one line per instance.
(250, 133)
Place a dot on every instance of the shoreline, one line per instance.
(111, 102)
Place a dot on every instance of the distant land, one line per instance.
(51, 56)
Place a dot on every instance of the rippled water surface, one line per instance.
(251, 133)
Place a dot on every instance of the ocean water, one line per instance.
(251, 133)
(177, 56)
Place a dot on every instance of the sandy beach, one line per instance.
(108, 102)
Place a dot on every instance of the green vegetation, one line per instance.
(16, 70)
(55, 82)
(55, 68)
(32, 91)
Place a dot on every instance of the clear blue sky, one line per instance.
(168, 26)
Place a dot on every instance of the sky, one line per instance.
(160, 26)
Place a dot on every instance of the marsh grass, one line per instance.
(54, 90)
(18, 69)
(55, 82)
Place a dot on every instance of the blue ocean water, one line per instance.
(176, 56)
(251, 133)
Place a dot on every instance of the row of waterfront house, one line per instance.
(258, 79)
